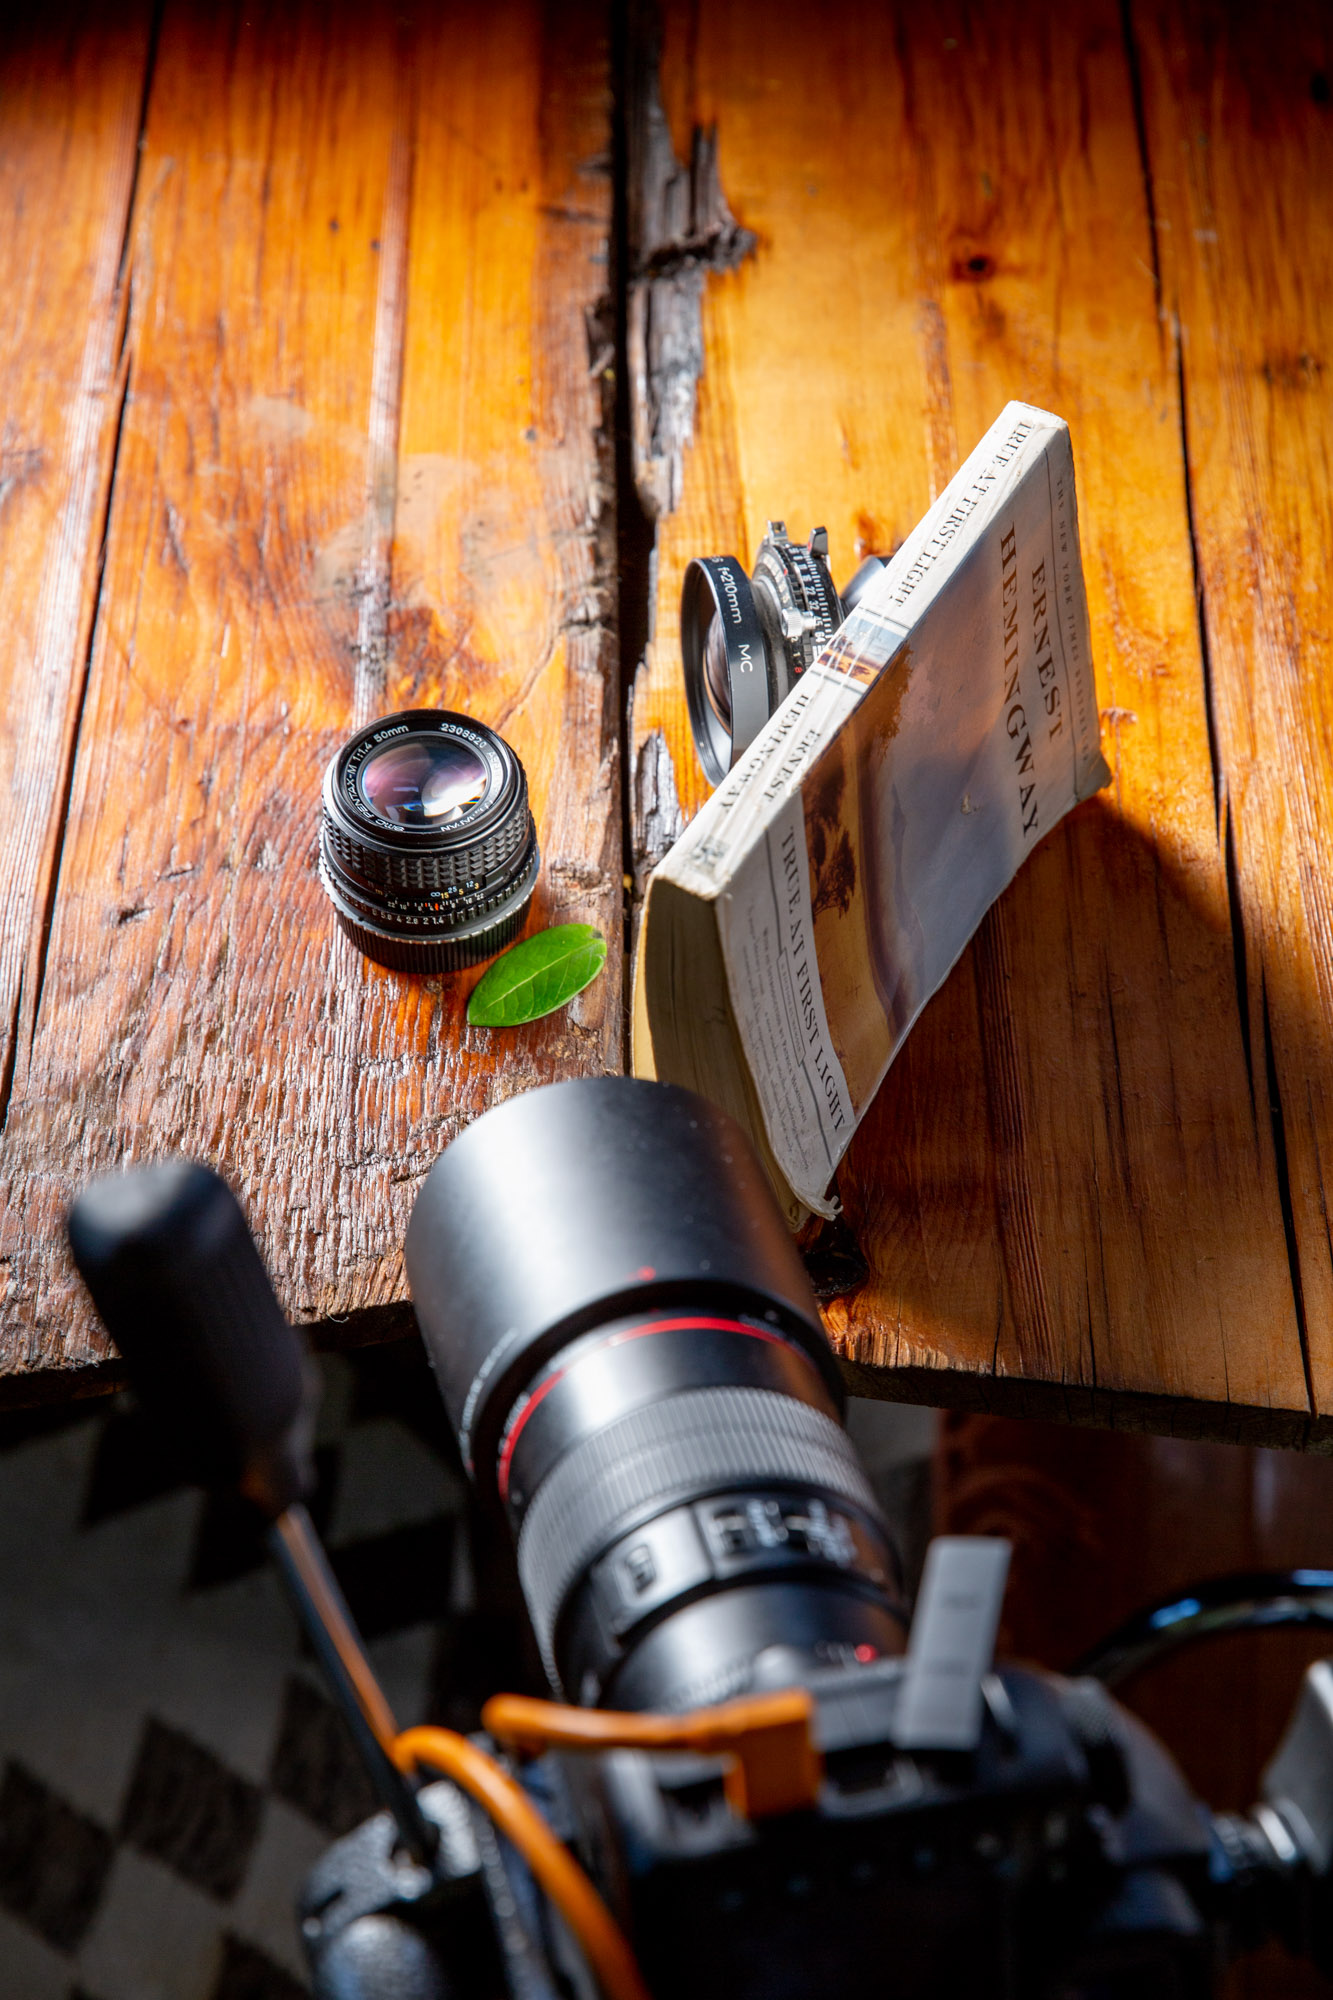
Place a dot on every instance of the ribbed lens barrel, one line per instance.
(428, 849)
(675, 1459)
(626, 1339)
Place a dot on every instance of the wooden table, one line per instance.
(362, 357)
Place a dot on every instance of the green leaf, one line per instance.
(537, 976)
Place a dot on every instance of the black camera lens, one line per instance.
(746, 641)
(626, 1340)
(428, 849)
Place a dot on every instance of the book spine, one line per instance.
(766, 927)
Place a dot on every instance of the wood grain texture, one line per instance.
(308, 408)
(1239, 143)
(1069, 1190)
(72, 94)
(361, 465)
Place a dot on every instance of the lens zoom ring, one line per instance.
(423, 872)
(680, 1449)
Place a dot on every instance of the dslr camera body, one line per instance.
(757, 1780)
(626, 1340)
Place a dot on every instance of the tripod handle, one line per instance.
(179, 1282)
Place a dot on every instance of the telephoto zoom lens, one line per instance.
(746, 640)
(626, 1341)
(428, 849)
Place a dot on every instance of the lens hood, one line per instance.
(576, 1202)
(628, 1347)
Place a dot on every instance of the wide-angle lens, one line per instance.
(428, 848)
(727, 661)
(746, 641)
(423, 780)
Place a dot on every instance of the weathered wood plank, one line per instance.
(1239, 142)
(359, 466)
(363, 461)
(72, 93)
(1067, 1190)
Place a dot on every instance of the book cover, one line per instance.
(849, 858)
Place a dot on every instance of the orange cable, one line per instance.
(775, 1766)
(310, 1563)
(559, 1874)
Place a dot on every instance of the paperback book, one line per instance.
(823, 893)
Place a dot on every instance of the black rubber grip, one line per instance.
(176, 1276)
(680, 1449)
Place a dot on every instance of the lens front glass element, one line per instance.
(422, 780)
(717, 681)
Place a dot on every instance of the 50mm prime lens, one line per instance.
(428, 849)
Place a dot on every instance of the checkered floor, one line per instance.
(169, 1764)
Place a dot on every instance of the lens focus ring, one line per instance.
(683, 1448)
(375, 865)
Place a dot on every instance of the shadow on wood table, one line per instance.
(1094, 1020)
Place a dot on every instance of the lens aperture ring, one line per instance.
(439, 933)
(683, 1448)
(809, 607)
(427, 955)
(820, 597)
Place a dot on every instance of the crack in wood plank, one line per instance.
(374, 578)
(680, 228)
(46, 717)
